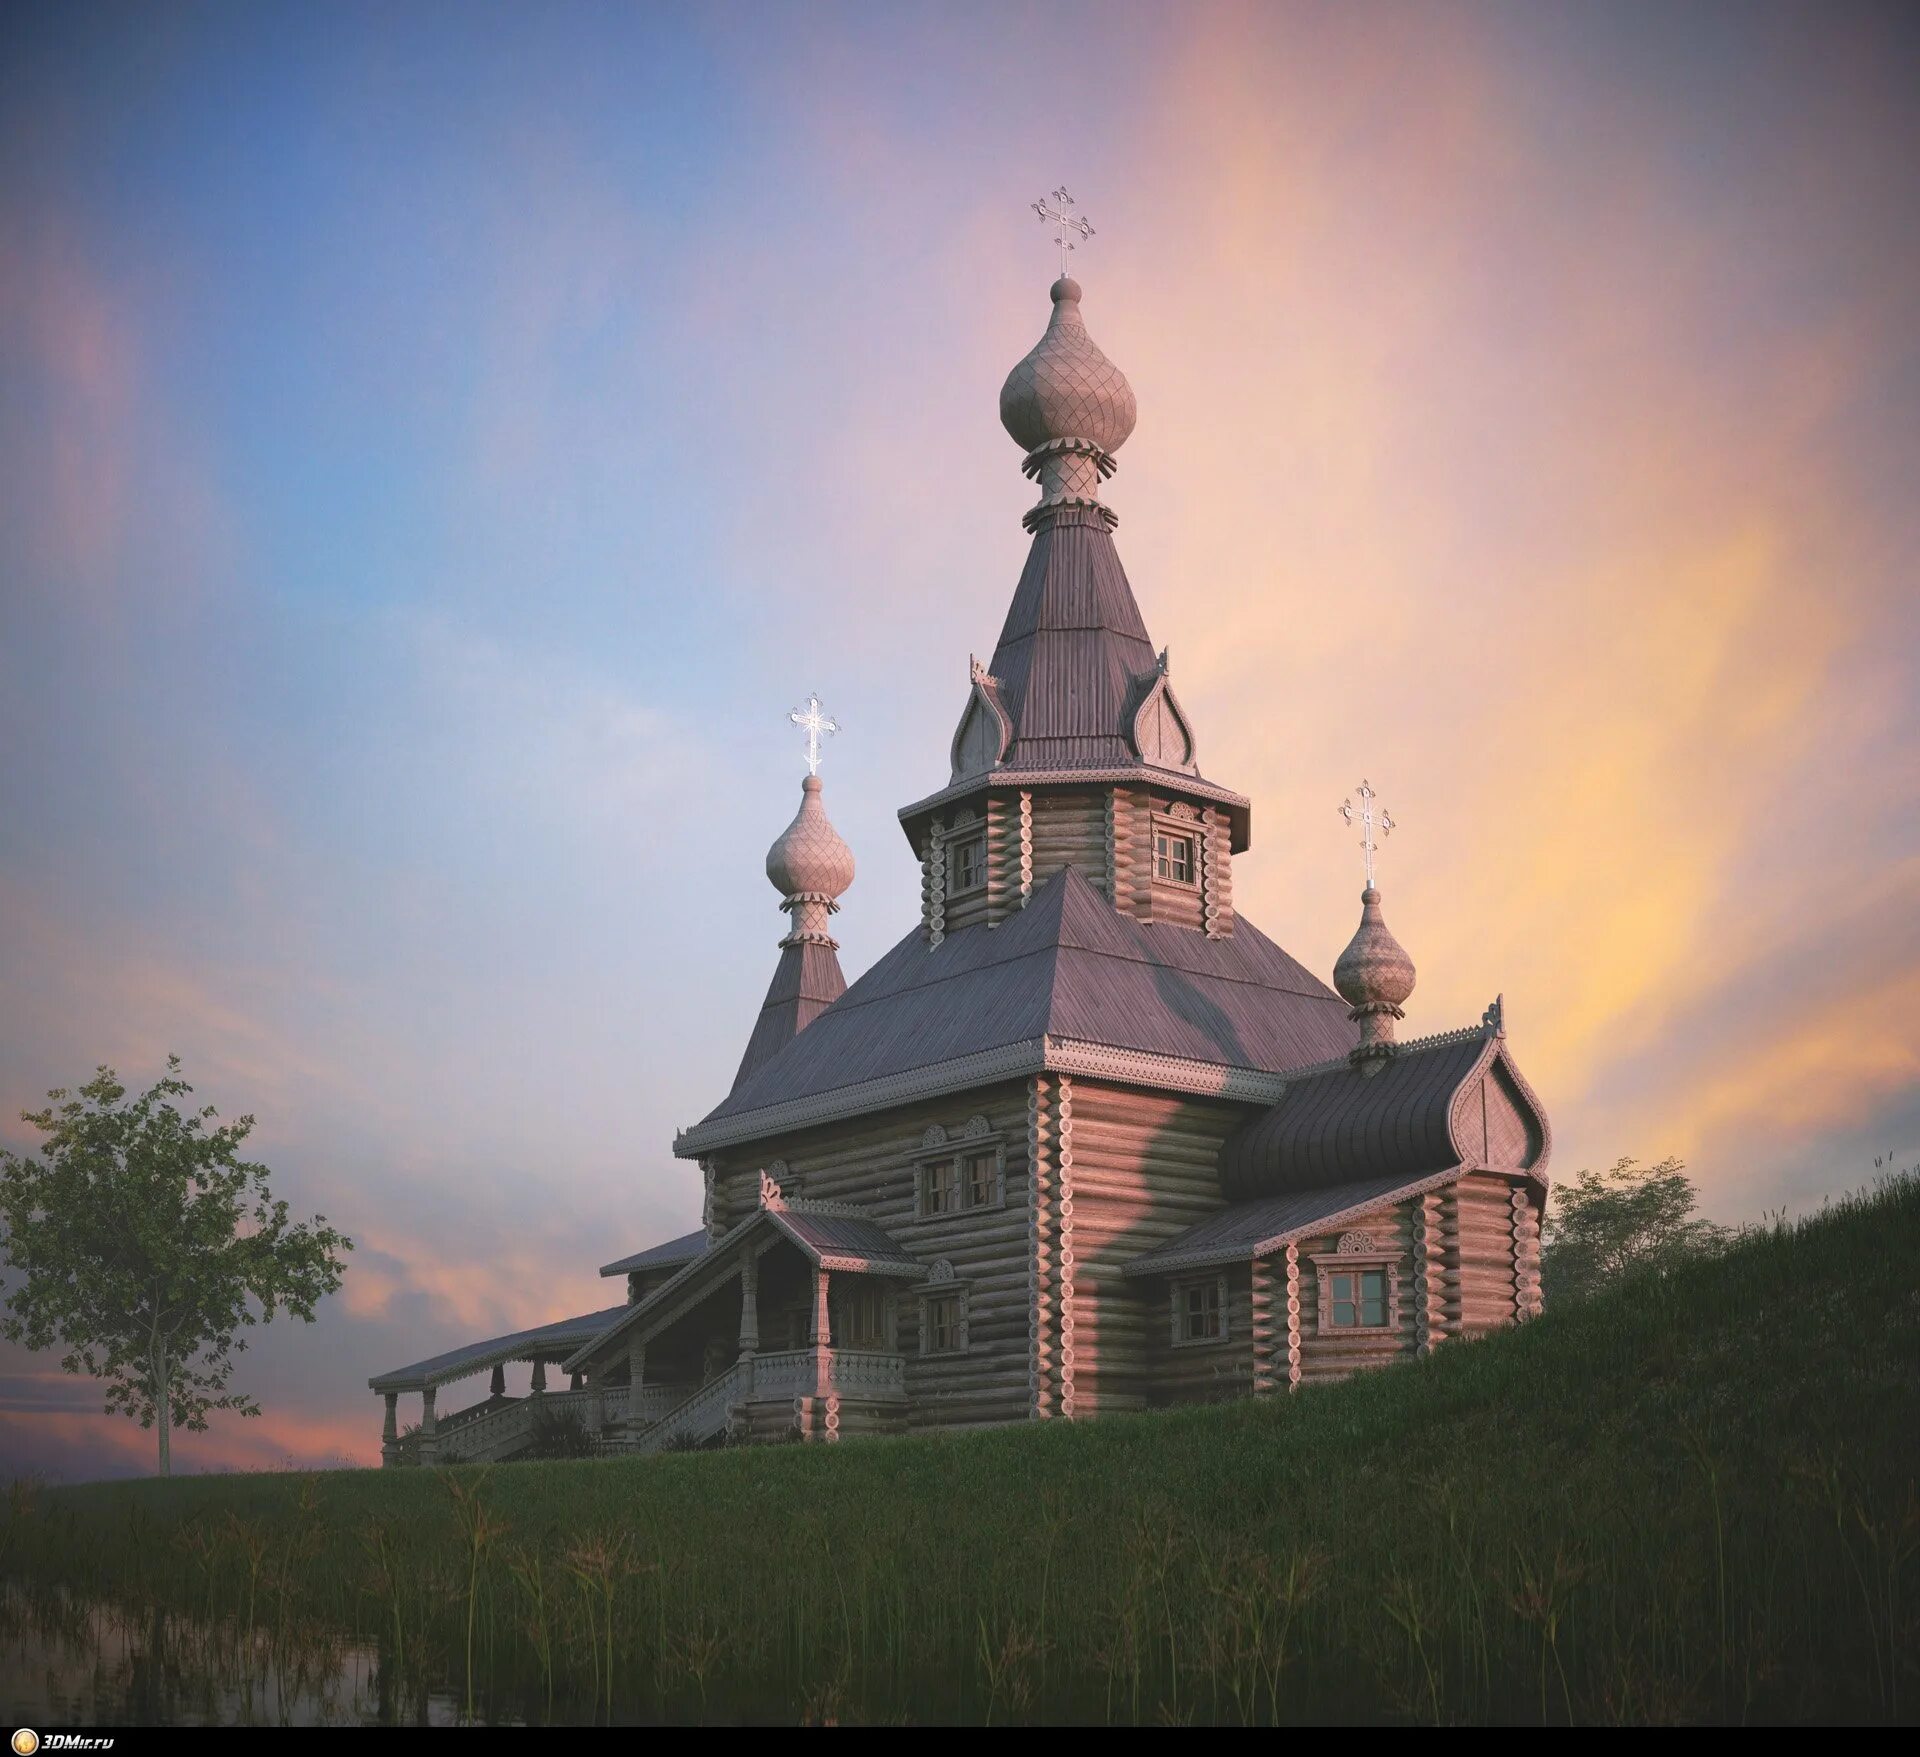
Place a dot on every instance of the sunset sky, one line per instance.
(439, 444)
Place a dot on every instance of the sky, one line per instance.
(439, 444)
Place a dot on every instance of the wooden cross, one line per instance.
(1056, 210)
(817, 725)
(1367, 821)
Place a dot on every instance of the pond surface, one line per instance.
(67, 1664)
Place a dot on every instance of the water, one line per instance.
(67, 1664)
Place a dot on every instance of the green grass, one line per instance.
(1690, 1499)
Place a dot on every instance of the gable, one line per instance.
(1495, 1123)
(1160, 732)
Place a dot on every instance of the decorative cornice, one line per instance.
(1009, 1061)
(1012, 777)
(1208, 1256)
(1044, 514)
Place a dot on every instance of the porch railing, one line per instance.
(481, 1435)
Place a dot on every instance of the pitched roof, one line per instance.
(1073, 651)
(828, 1235)
(1068, 966)
(665, 1256)
(548, 1340)
(806, 981)
(1253, 1229)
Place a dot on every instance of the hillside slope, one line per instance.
(1692, 1499)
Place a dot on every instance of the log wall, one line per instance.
(1122, 1171)
(1332, 1354)
(872, 1163)
(1070, 829)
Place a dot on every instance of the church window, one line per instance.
(940, 1187)
(1359, 1299)
(863, 1319)
(1359, 1286)
(1200, 1310)
(967, 865)
(961, 1173)
(943, 1322)
(1173, 858)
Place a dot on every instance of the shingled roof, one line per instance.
(547, 1341)
(1452, 1100)
(839, 1239)
(1073, 666)
(1255, 1229)
(1073, 652)
(1068, 966)
(1341, 1141)
(806, 981)
(663, 1256)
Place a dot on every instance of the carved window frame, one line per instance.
(969, 836)
(865, 1287)
(957, 1150)
(923, 1186)
(935, 1294)
(1189, 830)
(1327, 1264)
(1177, 1311)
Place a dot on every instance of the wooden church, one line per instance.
(1085, 1139)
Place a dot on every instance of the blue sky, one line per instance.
(437, 446)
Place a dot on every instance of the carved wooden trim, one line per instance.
(1177, 1312)
(1260, 1306)
(1327, 1264)
(1042, 1254)
(956, 1293)
(1026, 846)
(1429, 1265)
(1293, 1317)
(1065, 1199)
(1163, 1073)
(936, 882)
(1529, 1299)
(939, 1146)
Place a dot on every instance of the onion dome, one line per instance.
(1374, 976)
(1070, 408)
(809, 865)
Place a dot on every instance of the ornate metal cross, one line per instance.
(1056, 210)
(817, 725)
(1367, 821)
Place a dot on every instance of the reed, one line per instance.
(1693, 1498)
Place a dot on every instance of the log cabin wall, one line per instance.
(1199, 1372)
(968, 908)
(1327, 1354)
(1070, 829)
(873, 1163)
(1206, 903)
(1480, 1253)
(1119, 1170)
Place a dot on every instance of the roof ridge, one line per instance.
(1413, 1046)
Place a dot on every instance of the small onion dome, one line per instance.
(809, 860)
(1374, 974)
(1066, 388)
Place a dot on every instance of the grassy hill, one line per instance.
(1691, 1499)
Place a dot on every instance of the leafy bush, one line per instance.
(1630, 1216)
(558, 1433)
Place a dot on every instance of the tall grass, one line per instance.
(1690, 1499)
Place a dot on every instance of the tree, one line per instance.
(145, 1245)
(1608, 1222)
